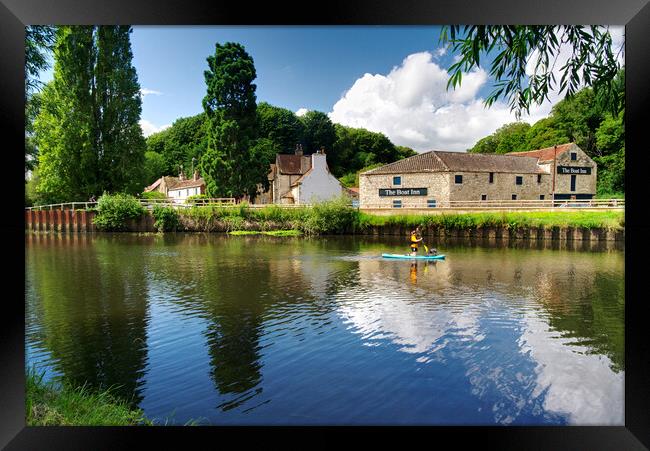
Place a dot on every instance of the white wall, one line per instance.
(319, 184)
(179, 195)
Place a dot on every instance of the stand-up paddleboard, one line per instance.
(419, 257)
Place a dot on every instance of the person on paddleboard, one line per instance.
(416, 238)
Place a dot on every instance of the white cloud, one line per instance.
(302, 111)
(146, 92)
(411, 105)
(148, 128)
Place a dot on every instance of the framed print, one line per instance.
(373, 215)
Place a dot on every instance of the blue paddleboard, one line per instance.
(420, 257)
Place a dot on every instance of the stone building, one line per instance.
(435, 178)
(300, 179)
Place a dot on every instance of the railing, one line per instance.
(507, 204)
(612, 204)
(63, 206)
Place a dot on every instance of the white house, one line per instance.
(178, 188)
(301, 179)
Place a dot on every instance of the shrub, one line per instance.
(333, 216)
(191, 199)
(153, 195)
(166, 219)
(114, 210)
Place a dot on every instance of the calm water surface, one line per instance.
(265, 330)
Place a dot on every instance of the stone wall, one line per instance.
(503, 186)
(436, 183)
(585, 184)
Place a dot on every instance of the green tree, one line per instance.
(510, 137)
(355, 148)
(185, 140)
(39, 41)
(154, 167)
(228, 165)
(545, 133)
(279, 125)
(593, 61)
(87, 129)
(318, 132)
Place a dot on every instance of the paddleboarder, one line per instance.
(416, 238)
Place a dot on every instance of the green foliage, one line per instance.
(87, 130)
(115, 210)
(166, 218)
(154, 167)
(228, 166)
(318, 131)
(508, 138)
(592, 63)
(195, 197)
(334, 216)
(153, 195)
(50, 404)
(39, 42)
(349, 180)
(180, 145)
(280, 126)
(511, 220)
(356, 148)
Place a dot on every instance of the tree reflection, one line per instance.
(93, 310)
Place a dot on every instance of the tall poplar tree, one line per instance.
(229, 164)
(87, 128)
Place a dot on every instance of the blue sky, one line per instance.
(386, 79)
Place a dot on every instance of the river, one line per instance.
(296, 331)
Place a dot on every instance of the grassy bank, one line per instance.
(613, 220)
(336, 217)
(53, 405)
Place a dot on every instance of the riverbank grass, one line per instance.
(48, 404)
(613, 220)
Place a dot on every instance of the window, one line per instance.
(514, 197)
(397, 204)
(458, 179)
(491, 177)
(519, 180)
(483, 196)
(431, 203)
(573, 183)
(397, 180)
(541, 197)
(574, 156)
(539, 178)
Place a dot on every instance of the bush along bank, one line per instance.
(337, 217)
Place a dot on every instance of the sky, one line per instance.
(388, 79)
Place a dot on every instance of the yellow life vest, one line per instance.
(414, 240)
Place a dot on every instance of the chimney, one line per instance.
(181, 176)
(196, 175)
(299, 149)
(322, 150)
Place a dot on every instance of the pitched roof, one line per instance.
(424, 162)
(440, 161)
(545, 154)
(189, 183)
(479, 162)
(169, 181)
(301, 178)
(292, 164)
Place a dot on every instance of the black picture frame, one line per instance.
(634, 14)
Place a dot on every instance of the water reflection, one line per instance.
(288, 331)
(91, 312)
